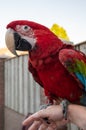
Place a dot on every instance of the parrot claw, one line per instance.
(45, 106)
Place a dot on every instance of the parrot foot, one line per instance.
(45, 106)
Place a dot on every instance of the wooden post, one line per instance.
(2, 93)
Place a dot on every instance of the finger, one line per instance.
(37, 116)
(43, 127)
(35, 125)
(28, 121)
(61, 123)
(50, 128)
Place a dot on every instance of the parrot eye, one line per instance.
(26, 28)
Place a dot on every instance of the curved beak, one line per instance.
(10, 42)
(15, 42)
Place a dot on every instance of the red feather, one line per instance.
(55, 79)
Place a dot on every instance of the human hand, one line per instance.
(49, 118)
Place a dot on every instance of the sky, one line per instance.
(69, 14)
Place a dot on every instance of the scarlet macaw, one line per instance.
(55, 65)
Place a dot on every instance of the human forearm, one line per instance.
(77, 115)
(55, 118)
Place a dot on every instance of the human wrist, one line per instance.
(71, 112)
(76, 116)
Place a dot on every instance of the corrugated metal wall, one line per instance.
(21, 94)
(81, 47)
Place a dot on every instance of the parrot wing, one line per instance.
(35, 74)
(75, 63)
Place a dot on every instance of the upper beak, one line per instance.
(10, 42)
(15, 42)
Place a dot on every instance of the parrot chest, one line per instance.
(58, 82)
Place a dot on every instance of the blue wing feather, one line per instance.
(82, 78)
(75, 62)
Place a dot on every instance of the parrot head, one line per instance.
(30, 36)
